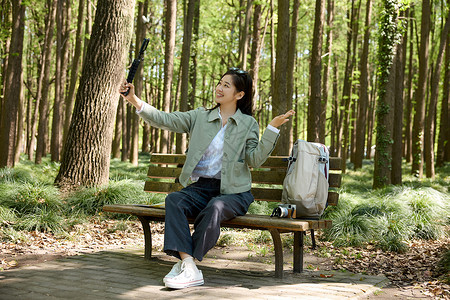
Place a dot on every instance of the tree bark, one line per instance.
(243, 44)
(443, 151)
(13, 87)
(256, 52)
(430, 124)
(138, 81)
(170, 23)
(363, 93)
(44, 72)
(419, 107)
(185, 57)
(88, 146)
(290, 68)
(314, 107)
(396, 172)
(326, 69)
(385, 105)
(280, 81)
(410, 93)
(74, 70)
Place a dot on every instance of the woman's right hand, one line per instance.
(126, 86)
(131, 97)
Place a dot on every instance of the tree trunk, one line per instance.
(419, 107)
(335, 111)
(88, 146)
(386, 95)
(256, 52)
(185, 57)
(193, 66)
(430, 124)
(138, 81)
(443, 151)
(396, 172)
(13, 87)
(314, 107)
(170, 23)
(290, 70)
(44, 71)
(280, 81)
(326, 69)
(74, 70)
(363, 93)
(243, 44)
(117, 130)
(62, 52)
(409, 89)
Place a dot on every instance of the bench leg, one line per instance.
(298, 251)
(313, 239)
(147, 237)
(278, 252)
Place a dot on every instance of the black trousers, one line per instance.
(201, 200)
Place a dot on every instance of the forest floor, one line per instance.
(413, 274)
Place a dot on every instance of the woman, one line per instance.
(224, 143)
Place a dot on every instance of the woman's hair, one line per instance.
(243, 83)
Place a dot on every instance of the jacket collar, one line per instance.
(214, 115)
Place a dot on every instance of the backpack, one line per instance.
(306, 181)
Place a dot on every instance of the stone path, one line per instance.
(124, 274)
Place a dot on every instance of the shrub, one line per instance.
(46, 220)
(27, 198)
(91, 200)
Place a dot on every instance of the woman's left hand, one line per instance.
(281, 119)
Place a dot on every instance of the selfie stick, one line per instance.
(135, 64)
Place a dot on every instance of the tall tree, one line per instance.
(326, 69)
(43, 76)
(291, 64)
(74, 69)
(386, 93)
(397, 145)
(88, 147)
(280, 81)
(256, 50)
(243, 44)
(185, 57)
(62, 59)
(13, 87)
(429, 126)
(363, 92)
(443, 151)
(170, 23)
(194, 51)
(409, 90)
(138, 81)
(420, 97)
(314, 106)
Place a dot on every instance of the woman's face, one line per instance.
(226, 91)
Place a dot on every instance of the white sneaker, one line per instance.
(176, 270)
(187, 278)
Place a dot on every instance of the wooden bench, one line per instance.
(267, 186)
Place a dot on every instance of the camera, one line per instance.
(284, 211)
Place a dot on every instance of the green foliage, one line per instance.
(387, 217)
(91, 200)
(46, 220)
(28, 198)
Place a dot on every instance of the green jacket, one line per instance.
(241, 149)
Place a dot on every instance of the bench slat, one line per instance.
(271, 162)
(261, 194)
(247, 221)
(264, 177)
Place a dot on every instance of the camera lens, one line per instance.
(283, 212)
